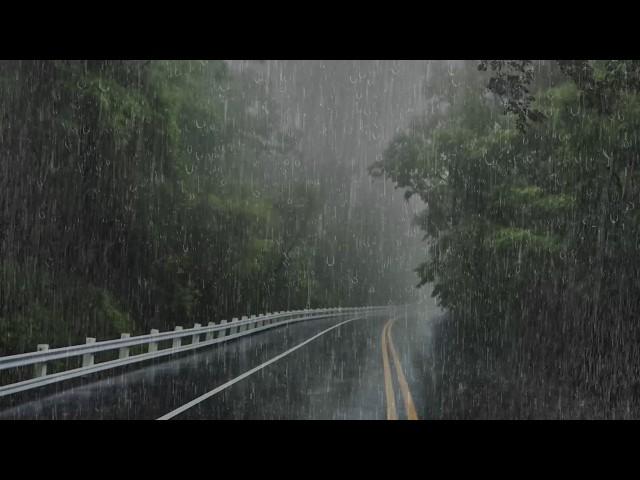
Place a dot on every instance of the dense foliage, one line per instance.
(148, 194)
(533, 225)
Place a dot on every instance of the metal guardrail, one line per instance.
(214, 333)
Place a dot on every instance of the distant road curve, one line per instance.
(333, 368)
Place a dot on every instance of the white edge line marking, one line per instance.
(211, 393)
(36, 382)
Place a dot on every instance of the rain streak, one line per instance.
(310, 239)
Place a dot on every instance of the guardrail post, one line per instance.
(222, 331)
(124, 351)
(209, 335)
(255, 324)
(153, 346)
(40, 369)
(177, 342)
(233, 329)
(87, 358)
(196, 337)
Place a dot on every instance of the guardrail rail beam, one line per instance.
(213, 334)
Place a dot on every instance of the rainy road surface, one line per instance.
(340, 368)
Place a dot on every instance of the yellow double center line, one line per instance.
(387, 346)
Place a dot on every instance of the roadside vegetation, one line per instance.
(529, 174)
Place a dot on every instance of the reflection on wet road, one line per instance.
(330, 368)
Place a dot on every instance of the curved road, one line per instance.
(339, 368)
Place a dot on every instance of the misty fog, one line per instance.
(487, 209)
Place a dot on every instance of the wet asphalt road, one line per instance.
(339, 375)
